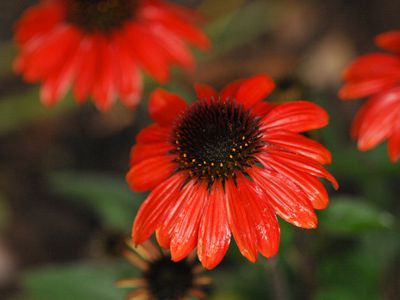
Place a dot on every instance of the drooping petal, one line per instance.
(153, 210)
(389, 40)
(296, 116)
(240, 221)
(164, 107)
(288, 200)
(104, 88)
(147, 174)
(254, 89)
(184, 235)
(299, 144)
(129, 78)
(147, 51)
(142, 152)
(214, 233)
(378, 119)
(165, 231)
(299, 163)
(312, 187)
(87, 73)
(264, 220)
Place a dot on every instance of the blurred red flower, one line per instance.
(99, 47)
(227, 163)
(376, 76)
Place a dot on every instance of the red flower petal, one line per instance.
(173, 46)
(297, 116)
(394, 144)
(366, 67)
(389, 40)
(299, 144)
(214, 233)
(147, 51)
(147, 174)
(154, 134)
(38, 20)
(184, 235)
(360, 89)
(205, 92)
(288, 200)
(302, 164)
(104, 89)
(86, 75)
(152, 211)
(129, 78)
(43, 57)
(229, 91)
(164, 107)
(312, 187)
(264, 220)
(142, 152)
(254, 89)
(240, 221)
(164, 232)
(375, 122)
(177, 25)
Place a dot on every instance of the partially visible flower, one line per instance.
(376, 76)
(227, 164)
(161, 278)
(100, 47)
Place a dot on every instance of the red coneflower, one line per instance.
(377, 76)
(227, 163)
(161, 278)
(100, 46)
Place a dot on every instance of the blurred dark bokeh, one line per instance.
(65, 208)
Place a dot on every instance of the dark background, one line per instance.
(65, 208)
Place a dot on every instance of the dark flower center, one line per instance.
(213, 140)
(169, 280)
(100, 15)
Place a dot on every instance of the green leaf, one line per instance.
(348, 216)
(241, 26)
(107, 195)
(79, 281)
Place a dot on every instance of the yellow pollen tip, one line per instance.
(221, 165)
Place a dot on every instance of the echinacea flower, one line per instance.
(376, 76)
(228, 163)
(161, 278)
(100, 47)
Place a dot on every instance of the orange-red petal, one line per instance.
(147, 174)
(165, 107)
(254, 89)
(240, 221)
(389, 40)
(184, 234)
(152, 212)
(214, 233)
(296, 116)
